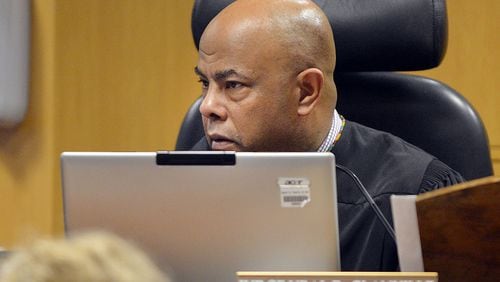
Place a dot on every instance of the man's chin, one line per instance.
(224, 146)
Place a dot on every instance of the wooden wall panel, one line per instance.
(472, 59)
(27, 167)
(495, 155)
(124, 74)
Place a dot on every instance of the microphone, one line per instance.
(369, 199)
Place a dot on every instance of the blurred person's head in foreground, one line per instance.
(96, 256)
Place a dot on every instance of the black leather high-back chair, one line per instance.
(375, 38)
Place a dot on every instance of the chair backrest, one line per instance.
(374, 38)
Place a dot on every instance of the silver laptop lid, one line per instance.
(205, 215)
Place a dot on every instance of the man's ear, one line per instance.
(311, 83)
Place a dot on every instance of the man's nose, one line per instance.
(212, 106)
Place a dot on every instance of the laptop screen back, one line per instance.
(203, 221)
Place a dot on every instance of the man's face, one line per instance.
(249, 98)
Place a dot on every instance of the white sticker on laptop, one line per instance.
(295, 192)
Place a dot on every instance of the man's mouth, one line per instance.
(222, 143)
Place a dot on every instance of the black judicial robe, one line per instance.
(386, 165)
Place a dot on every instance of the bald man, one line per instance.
(266, 70)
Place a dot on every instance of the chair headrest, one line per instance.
(370, 35)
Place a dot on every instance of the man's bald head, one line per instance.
(297, 30)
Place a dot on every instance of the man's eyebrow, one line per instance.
(222, 75)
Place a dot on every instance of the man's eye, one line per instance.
(204, 83)
(233, 84)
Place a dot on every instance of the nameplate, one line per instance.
(245, 276)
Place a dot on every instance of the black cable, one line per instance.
(370, 200)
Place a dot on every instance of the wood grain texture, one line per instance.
(27, 163)
(495, 156)
(124, 73)
(460, 231)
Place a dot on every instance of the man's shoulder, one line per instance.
(385, 163)
(379, 139)
(361, 142)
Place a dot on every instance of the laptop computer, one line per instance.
(203, 216)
